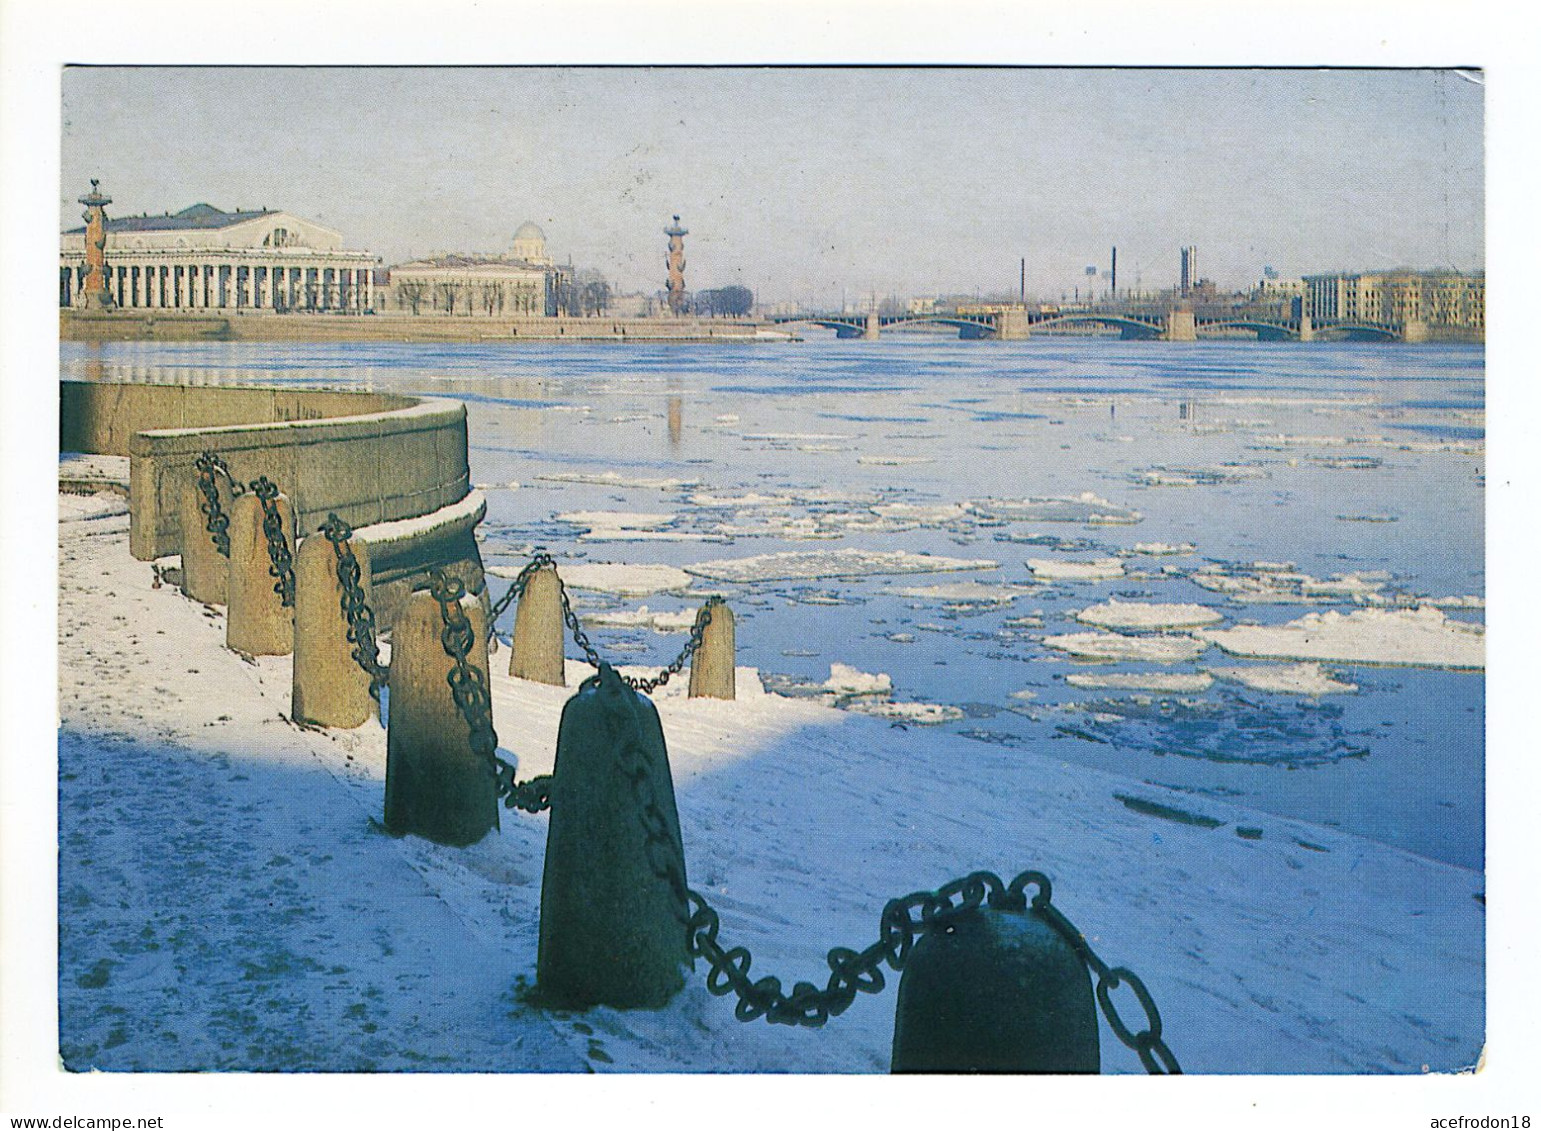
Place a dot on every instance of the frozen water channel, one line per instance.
(950, 514)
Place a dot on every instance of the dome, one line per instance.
(530, 244)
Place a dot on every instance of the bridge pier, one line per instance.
(870, 332)
(1415, 331)
(1011, 326)
(1180, 327)
(1307, 331)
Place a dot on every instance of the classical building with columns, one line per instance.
(525, 282)
(205, 259)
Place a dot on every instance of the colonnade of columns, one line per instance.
(227, 286)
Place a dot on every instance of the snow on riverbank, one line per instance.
(226, 902)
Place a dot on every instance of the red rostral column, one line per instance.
(676, 236)
(95, 293)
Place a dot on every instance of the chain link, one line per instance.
(217, 522)
(355, 604)
(468, 684)
(903, 922)
(516, 590)
(1147, 1041)
(282, 560)
(581, 638)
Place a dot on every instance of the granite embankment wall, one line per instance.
(163, 325)
(371, 458)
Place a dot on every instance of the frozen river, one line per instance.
(1115, 517)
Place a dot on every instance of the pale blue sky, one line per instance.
(805, 183)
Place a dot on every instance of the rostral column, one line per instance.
(96, 296)
(676, 236)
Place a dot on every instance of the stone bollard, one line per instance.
(204, 569)
(995, 991)
(258, 623)
(711, 668)
(613, 910)
(537, 653)
(331, 688)
(435, 785)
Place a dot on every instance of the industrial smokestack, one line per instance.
(1114, 278)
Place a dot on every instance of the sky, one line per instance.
(809, 184)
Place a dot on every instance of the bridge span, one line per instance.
(1172, 324)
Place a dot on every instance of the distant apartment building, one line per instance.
(203, 258)
(1188, 270)
(1441, 299)
(524, 282)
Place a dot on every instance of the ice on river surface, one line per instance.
(1065, 450)
(1118, 614)
(1186, 683)
(1087, 507)
(1055, 569)
(844, 563)
(1114, 646)
(1289, 679)
(1422, 637)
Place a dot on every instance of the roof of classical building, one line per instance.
(196, 216)
(529, 230)
(464, 261)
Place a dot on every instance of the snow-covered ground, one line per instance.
(226, 901)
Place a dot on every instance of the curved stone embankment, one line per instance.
(395, 468)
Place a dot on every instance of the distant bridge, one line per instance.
(1173, 324)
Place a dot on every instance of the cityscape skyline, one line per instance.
(810, 184)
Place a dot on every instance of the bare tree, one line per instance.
(492, 298)
(411, 294)
(596, 297)
(449, 294)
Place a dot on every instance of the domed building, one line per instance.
(524, 282)
(530, 244)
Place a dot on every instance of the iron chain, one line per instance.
(1147, 1041)
(282, 560)
(516, 590)
(355, 604)
(581, 638)
(903, 922)
(468, 685)
(216, 521)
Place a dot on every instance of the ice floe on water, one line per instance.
(793, 565)
(615, 479)
(1099, 569)
(1086, 507)
(923, 513)
(795, 437)
(624, 526)
(1164, 549)
(620, 520)
(747, 499)
(1289, 679)
(1118, 614)
(1421, 637)
(1198, 476)
(845, 680)
(1281, 583)
(923, 714)
(1115, 646)
(678, 620)
(619, 578)
(965, 593)
(1179, 683)
(894, 461)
